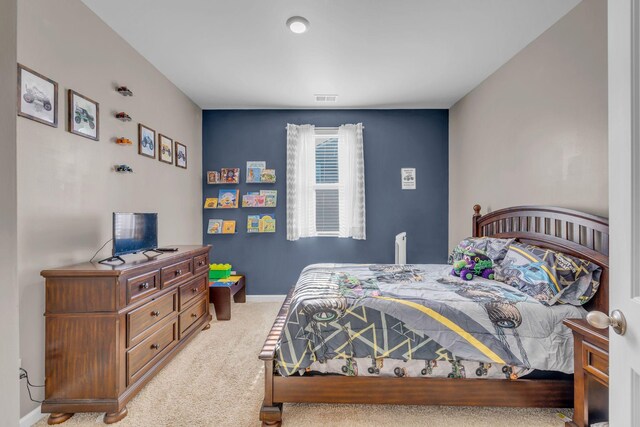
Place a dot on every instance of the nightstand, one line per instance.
(591, 373)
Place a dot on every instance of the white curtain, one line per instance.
(351, 170)
(301, 175)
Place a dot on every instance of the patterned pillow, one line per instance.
(549, 276)
(496, 249)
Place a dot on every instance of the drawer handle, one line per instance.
(155, 313)
(144, 285)
(201, 263)
(155, 346)
(178, 272)
(194, 290)
(194, 315)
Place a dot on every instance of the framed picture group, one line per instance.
(164, 148)
(38, 101)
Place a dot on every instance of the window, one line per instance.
(325, 182)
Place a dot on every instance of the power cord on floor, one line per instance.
(25, 375)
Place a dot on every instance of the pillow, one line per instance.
(495, 249)
(550, 277)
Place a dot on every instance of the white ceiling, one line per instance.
(372, 53)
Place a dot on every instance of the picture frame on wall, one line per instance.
(84, 116)
(181, 155)
(146, 141)
(37, 97)
(165, 148)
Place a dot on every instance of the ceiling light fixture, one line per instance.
(297, 24)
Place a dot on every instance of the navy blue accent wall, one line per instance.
(392, 139)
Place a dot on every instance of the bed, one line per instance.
(292, 376)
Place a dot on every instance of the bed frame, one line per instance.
(574, 233)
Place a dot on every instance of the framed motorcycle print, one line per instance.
(37, 97)
(165, 146)
(181, 155)
(84, 116)
(146, 141)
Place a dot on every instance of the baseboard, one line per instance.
(265, 298)
(32, 417)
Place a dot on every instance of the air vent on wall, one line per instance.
(323, 97)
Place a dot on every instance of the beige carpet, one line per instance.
(217, 380)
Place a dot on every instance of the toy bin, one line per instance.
(219, 271)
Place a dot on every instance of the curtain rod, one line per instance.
(326, 127)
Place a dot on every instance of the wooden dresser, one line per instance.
(110, 329)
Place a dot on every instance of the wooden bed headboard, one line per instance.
(575, 233)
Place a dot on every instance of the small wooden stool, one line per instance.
(221, 291)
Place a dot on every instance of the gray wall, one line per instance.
(9, 403)
(392, 139)
(535, 131)
(66, 185)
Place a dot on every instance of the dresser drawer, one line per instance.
(596, 362)
(192, 314)
(142, 286)
(142, 357)
(176, 273)
(191, 290)
(201, 263)
(150, 314)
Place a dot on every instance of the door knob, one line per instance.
(599, 320)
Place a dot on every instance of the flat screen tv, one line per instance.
(134, 232)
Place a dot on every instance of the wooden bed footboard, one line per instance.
(271, 410)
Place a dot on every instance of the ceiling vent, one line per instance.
(323, 97)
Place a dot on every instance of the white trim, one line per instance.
(265, 298)
(32, 417)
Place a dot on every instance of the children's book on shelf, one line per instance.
(270, 198)
(253, 201)
(228, 198)
(268, 175)
(254, 170)
(253, 224)
(263, 223)
(267, 223)
(228, 227)
(211, 203)
(230, 175)
(213, 177)
(254, 174)
(215, 226)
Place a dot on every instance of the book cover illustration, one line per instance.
(254, 174)
(253, 201)
(254, 170)
(228, 198)
(253, 224)
(230, 175)
(211, 203)
(215, 226)
(270, 198)
(267, 223)
(268, 175)
(228, 227)
(213, 177)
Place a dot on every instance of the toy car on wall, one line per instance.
(123, 116)
(124, 91)
(166, 150)
(123, 168)
(182, 155)
(82, 115)
(33, 94)
(123, 141)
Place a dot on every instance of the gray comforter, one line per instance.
(420, 312)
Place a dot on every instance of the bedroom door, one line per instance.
(624, 209)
